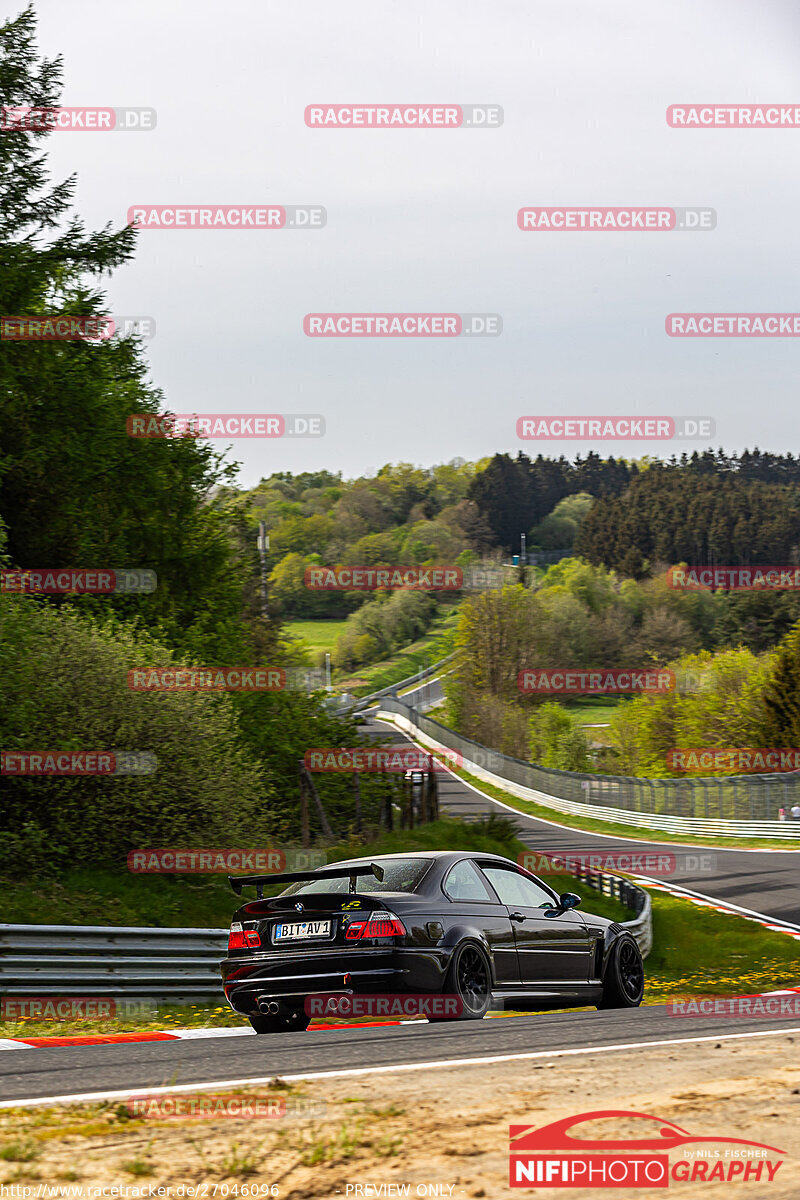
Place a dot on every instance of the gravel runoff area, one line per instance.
(441, 1131)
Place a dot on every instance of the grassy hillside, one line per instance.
(319, 636)
(108, 897)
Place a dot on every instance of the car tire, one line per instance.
(623, 981)
(469, 977)
(296, 1021)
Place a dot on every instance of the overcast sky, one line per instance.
(425, 220)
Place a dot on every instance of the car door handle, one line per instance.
(517, 916)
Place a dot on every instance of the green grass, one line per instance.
(592, 710)
(318, 635)
(436, 644)
(697, 951)
(104, 896)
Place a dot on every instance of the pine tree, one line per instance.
(75, 489)
(782, 698)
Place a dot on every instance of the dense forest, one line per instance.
(637, 517)
(711, 511)
(734, 657)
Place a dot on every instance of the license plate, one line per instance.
(300, 930)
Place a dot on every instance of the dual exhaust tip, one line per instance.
(270, 1008)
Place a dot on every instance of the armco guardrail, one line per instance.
(734, 806)
(97, 960)
(173, 964)
(633, 897)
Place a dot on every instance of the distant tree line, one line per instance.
(514, 494)
(583, 616)
(708, 507)
(700, 513)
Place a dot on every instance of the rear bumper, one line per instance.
(289, 980)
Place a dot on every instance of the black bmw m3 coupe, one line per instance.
(476, 927)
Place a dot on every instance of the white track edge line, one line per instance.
(611, 837)
(480, 1060)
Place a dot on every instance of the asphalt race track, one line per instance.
(763, 882)
(128, 1068)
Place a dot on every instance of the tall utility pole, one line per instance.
(262, 541)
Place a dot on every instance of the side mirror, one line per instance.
(566, 901)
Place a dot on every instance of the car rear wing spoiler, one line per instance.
(238, 882)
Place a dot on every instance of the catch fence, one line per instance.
(730, 806)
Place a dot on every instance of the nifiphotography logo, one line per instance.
(662, 1154)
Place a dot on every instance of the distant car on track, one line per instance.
(475, 926)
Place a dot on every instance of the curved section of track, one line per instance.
(118, 1071)
(763, 883)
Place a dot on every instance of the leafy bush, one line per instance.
(64, 679)
(723, 706)
(382, 626)
(555, 741)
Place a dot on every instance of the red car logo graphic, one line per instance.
(664, 1135)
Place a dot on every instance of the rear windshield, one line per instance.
(400, 875)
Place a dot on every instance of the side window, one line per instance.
(514, 889)
(464, 883)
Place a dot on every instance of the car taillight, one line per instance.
(243, 939)
(379, 924)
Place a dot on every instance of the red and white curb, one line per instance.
(100, 1039)
(703, 901)
(164, 1035)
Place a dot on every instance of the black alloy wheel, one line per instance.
(623, 983)
(469, 979)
